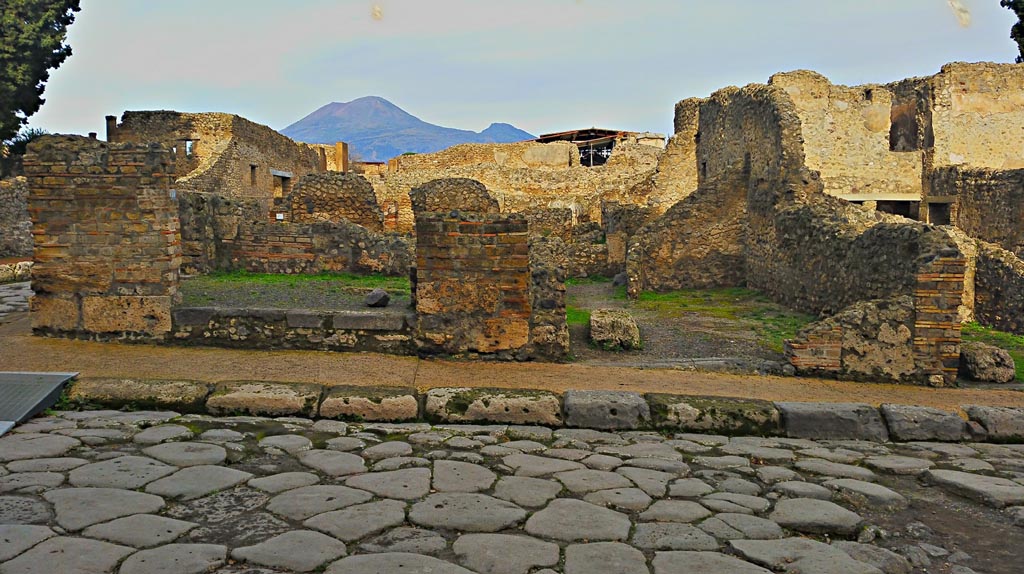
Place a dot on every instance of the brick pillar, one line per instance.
(938, 295)
(107, 240)
(472, 282)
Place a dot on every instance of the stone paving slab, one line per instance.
(492, 498)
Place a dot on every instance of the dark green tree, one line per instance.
(1017, 31)
(32, 34)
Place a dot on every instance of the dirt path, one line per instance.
(24, 352)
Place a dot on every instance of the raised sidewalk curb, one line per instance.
(608, 410)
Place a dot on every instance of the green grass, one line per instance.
(577, 316)
(588, 280)
(1013, 344)
(350, 280)
(772, 323)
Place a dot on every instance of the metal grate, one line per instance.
(23, 395)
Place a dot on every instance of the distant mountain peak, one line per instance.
(377, 130)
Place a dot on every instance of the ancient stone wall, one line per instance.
(620, 222)
(846, 137)
(452, 194)
(549, 331)
(999, 289)
(519, 186)
(335, 197)
(550, 222)
(987, 204)
(224, 234)
(676, 174)
(978, 116)
(15, 223)
(222, 153)
(107, 247)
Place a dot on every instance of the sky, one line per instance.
(541, 65)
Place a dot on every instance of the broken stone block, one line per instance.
(832, 421)
(494, 405)
(377, 404)
(907, 423)
(613, 329)
(377, 298)
(149, 314)
(1000, 423)
(986, 363)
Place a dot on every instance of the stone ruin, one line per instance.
(892, 211)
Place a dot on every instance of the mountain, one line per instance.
(377, 130)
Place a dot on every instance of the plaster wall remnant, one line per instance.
(107, 246)
(224, 153)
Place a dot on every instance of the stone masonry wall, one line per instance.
(107, 247)
(15, 223)
(999, 289)
(224, 234)
(230, 155)
(518, 185)
(335, 197)
(846, 136)
(989, 204)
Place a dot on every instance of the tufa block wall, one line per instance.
(999, 289)
(15, 223)
(107, 247)
(334, 197)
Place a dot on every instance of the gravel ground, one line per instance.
(315, 295)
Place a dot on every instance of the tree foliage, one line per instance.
(1017, 31)
(32, 34)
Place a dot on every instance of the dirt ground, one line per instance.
(670, 337)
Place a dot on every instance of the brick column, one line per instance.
(107, 240)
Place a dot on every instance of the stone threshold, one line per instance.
(605, 410)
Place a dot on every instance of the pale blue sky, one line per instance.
(543, 65)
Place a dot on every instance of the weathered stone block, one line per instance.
(305, 319)
(378, 404)
(180, 396)
(717, 414)
(907, 422)
(1002, 423)
(832, 421)
(368, 321)
(614, 329)
(130, 314)
(192, 316)
(261, 398)
(493, 405)
(54, 313)
(605, 409)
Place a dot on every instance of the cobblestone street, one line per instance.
(133, 492)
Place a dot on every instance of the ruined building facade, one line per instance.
(780, 170)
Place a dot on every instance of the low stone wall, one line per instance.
(381, 331)
(15, 223)
(335, 197)
(999, 289)
(15, 272)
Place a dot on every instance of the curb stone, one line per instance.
(606, 410)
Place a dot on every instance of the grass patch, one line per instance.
(588, 280)
(350, 280)
(577, 316)
(1013, 344)
(772, 322)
